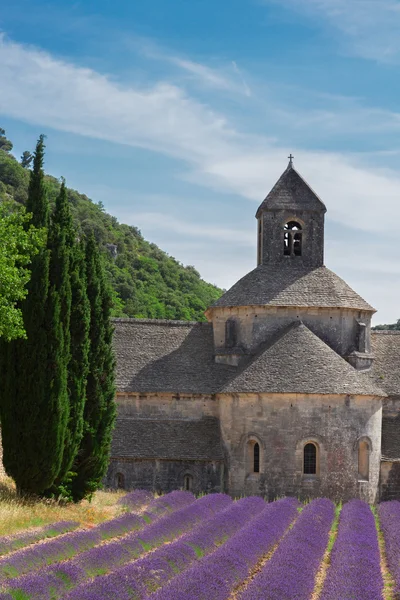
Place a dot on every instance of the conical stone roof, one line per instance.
(299, 362)
(283, 285)
(291, 192)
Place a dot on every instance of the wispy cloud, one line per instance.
(41, 89)
(371, 27)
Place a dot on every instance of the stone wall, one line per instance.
(390, 480)
(336, 327)
(390, 466)
(282, 425)
(166, 475)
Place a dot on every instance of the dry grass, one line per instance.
(17, 514)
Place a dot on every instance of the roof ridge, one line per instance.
(170, 322)
(385, 331)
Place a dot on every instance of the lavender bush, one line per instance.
(54, 581)
(10, 543)
(389, 515)
(138, 579)
(37, 556)
(355, 570)
(290, 573)
(215, 576)
(136, 499)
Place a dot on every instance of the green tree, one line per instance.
(26, 159)
(100, 408)
(76, 335)
(33, 413)
(19, 243)
(5, 144)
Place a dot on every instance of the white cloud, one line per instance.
(41, 89)
(372, 27)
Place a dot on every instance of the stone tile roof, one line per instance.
(167, 439)
(277, 285)
(167, 356)
(291, 192)
(298, 361)
(385, 371)
(178, 357)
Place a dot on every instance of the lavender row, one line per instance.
(138, 579)
(35, 557)
(389, 515)
(136, 499)
(96, 561)
(10, 543)
(355, 559)
(215, 576)
(291, 572)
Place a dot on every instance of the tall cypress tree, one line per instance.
(33, 411)
(77, 335)
(99, 414)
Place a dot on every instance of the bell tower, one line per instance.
(291, 224)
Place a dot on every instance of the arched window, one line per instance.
(292, 239)
(310, 459)
(120, 481)
(230, 333)
(256, 458)
(363, 460)
(187, 483)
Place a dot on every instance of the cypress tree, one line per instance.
(33, 406)
(78, 337)
(99, 414)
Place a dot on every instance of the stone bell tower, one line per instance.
(291, 224)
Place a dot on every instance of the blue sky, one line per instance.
(179, 116)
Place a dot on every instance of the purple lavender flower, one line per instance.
(10, 543)
(139, 578)
(291, 571)
(389, 515)
(57, 579)
(33, 558)
(355, 570)
(215, 576)
(136, 499)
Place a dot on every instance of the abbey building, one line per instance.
(284, 391)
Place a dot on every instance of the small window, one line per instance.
(363, 460)
(187, 483)
(259, 241)
(292, 239)
(230, 333)
(256, 458)
(310, 459)
(120, 481)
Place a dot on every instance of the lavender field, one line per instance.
(177, 547)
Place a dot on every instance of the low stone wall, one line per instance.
(165, 475)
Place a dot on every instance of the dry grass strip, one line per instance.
(239, 589)
(388, 581)
(326, 561)
(18, 514)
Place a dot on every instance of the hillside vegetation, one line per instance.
(147, 282)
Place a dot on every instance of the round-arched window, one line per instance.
(310, 459)
(292, 239)
(188, 483)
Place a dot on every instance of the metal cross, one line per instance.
(291, 157)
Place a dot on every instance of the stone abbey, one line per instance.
(284, 391)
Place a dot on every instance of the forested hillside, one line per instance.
(146, 281)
